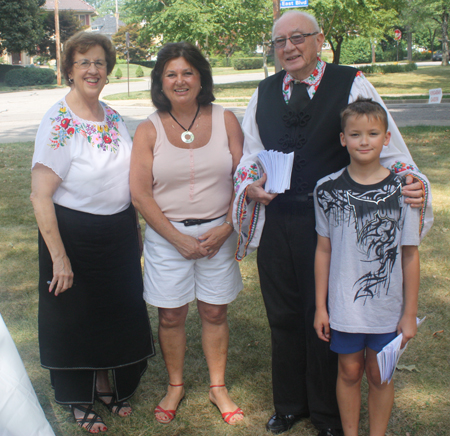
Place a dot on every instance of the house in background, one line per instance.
(106, 25)
(83, 11)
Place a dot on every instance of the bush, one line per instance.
(148, 64)
(248, 63)
(394, 68)
(139, 72)
(356, 51)
(5, 68)
(30, 77)
(118, 74)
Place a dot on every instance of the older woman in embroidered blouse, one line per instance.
(92, 316)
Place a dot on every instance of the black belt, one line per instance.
(195, 222)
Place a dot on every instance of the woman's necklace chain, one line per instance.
(187, 136)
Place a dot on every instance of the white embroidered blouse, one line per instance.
(91, 158)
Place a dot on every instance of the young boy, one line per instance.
(366, 265)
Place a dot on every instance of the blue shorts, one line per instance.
(347, 343)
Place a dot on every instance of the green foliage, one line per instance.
(247, 63)
(341, 18)
(20, 25)
(30, 76)
(5, 68)
(118, 74)
(69, 24)
(139, 72)
(216, 26)
(356, 51)
(148, 64)
(138, 50)
(392, 68)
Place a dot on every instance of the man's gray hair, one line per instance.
(309, 17)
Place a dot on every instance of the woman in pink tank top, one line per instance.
(182, 165)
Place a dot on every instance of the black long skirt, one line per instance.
(101, 322)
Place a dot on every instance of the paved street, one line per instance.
(21, 112)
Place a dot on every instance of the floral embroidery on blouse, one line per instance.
(244, 174)
(398, 167)
(313, 81)
(104, 136)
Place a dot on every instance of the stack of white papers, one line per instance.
(389, 356)
(278, 167)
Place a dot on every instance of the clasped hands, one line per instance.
(206, 245)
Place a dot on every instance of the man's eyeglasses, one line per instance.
(84, 64)
(295, 39)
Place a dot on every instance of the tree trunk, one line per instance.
(276, 16)
(337, 49)
(409, 41)
(445, 36)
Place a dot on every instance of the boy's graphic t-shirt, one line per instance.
(367, 226)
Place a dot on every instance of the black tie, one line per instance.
(299, 96)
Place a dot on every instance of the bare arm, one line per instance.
(411, 282)
(321, 274)
(141, 178)
(214, 238)
(44, 183)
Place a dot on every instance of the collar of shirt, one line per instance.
(313, 81)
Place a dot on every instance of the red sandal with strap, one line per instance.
(226, 416)
(169, 413)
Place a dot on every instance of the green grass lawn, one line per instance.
(422, 401)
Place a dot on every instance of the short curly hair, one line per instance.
(193, 56)
(81, 42)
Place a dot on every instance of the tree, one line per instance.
(212, 25)
(341, 19)
(69, 24)
(105, 7)
(20, 25)
(438, 11)
(138, 51)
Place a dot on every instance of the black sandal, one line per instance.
(95, 419)
(114, 406)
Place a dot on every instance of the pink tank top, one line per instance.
(193, 183)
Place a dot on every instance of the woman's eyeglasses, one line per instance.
(295, 39)
(84, 64)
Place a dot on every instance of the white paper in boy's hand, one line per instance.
(389, 356)
(278, 167)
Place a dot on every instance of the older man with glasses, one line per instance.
(298, 110)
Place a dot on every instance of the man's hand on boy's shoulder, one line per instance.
(413, 191)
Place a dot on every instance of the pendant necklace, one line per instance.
(187, 136)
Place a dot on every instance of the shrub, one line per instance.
(393, 68)
(139, 72)
(30, 77)
(148, 64)
(247, 63)
(5, 68)
(118, 74)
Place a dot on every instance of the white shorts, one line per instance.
(172, 281)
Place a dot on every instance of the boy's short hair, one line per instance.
(367, 107)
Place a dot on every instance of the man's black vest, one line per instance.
(312, 134)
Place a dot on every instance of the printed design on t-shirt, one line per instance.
(104, 136)
(376, 215)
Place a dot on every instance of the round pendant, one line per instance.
(187, 137)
